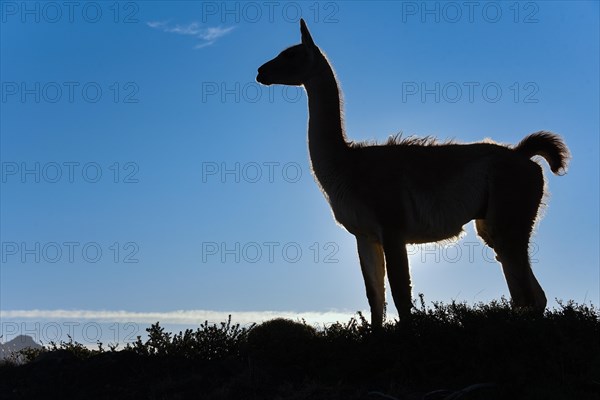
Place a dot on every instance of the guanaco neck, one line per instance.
(326, 136)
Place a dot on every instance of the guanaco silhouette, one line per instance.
(411, 191)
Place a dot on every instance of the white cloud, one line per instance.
(191, 29)
(207, 35)
(178, 316)
(201, 45)
(215, 33)
(156, 24)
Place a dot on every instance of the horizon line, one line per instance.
(181, 316)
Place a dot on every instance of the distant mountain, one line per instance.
(18, 343)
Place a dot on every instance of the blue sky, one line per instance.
(144, 171)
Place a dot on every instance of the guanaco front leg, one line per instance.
(372, 264)
(396, 261)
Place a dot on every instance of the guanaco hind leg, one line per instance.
(511, 247)
(525, 291)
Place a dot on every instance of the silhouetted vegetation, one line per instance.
(446, 351)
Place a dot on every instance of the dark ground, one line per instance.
(446, 352)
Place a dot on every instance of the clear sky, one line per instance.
(144, 170)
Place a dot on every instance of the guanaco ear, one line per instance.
(306, 38)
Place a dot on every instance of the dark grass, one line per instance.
(454, 351)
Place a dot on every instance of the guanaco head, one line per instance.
(294, 65)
